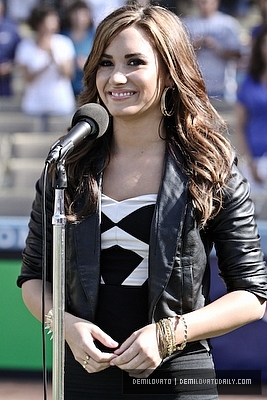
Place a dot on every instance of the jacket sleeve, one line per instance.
(236, 239)
(32, 261)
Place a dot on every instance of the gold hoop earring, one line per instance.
(167, 101)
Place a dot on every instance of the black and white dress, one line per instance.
(123, 308)
(122, 303)
(125, 232)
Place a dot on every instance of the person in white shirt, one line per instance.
(47, 64)
(216, 39)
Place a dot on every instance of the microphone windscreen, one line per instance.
(95, 112)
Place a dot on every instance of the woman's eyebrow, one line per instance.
(106, 55)
(130, 55)
(135, 55)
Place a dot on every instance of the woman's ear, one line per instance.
(169, 81)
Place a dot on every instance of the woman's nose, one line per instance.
(118, 78)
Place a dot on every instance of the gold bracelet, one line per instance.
(160, 341)
(167, 338)
(163, 342)
(184, 342)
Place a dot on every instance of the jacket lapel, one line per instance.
(87, 238)
(166, 229)
(88, 244)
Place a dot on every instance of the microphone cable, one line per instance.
(44, 277)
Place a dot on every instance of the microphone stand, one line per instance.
(58, 222)
(57, 155)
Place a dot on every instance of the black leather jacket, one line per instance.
(179, 275)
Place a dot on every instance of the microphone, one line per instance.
(91, 120)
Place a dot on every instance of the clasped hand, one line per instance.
(138, 355)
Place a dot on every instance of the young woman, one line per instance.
(80, 29)
(145, 203)
(46, 61)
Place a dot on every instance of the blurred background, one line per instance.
(29, 126)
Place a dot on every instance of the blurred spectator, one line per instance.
(9, 39)
(47, 64)
(262, 4)
(179, 7)
(20, 10)
(251, 112)
(170, 4)
(215, 37)
(101, 8)
(237, 8)
(79, 28)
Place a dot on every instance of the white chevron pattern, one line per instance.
(116, 212)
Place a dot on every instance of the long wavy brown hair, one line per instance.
(195, 129)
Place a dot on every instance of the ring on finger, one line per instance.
(85, 362)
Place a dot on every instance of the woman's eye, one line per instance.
(105, 63)
(133, 63)
(137, 62)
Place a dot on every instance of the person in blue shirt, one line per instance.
(251, 110)
(9, 38)
(256, 30)
(80, 29)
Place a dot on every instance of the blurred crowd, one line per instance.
(48, 42)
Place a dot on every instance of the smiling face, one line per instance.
(131, 76)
